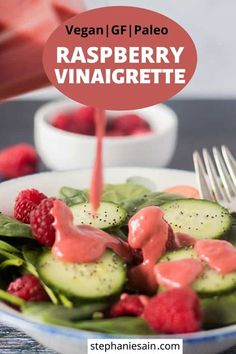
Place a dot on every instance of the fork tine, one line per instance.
(230, 162)
(224, 175)
(213, 177)
(205, 191)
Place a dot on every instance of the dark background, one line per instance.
(202, 123)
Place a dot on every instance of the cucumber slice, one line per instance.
(210, 282)
(199, 218)
(96, 280)
(108, 215)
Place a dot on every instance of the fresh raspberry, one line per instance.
(41, 222)
(62, 121)
(84, 119)
(114, 133)
(174, 311)
(129, 122)
(26, 201)
(128, 305)
(141, 131)
(18, 160)
(28, 288)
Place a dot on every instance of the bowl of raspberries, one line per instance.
(65, 136)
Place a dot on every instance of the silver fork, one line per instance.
(217, 180)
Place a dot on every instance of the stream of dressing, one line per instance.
(96, 186)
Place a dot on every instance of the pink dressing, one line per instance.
(177, 274)
(184, 240)
(82, 244)
(148, 231)
(187, 191)
(218, 254)
(95, 191)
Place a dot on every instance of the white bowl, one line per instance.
(61, 150)
(70, 341)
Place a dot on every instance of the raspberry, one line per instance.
(174, 311)
(114, 133)
(28, 288)
(41, 222)
(18, 160)
(128, 305)
(62, 121)
(141, 131)
(84, 119)
(26, 201)
(129, 122)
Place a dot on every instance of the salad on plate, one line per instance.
(144, 263)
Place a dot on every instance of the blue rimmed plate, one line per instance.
(70, 341)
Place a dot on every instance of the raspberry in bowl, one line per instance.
(65, 136)
(82, 121)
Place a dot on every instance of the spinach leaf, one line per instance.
(9, 255)
(31, 253)
(121, 193)
(12, 299)
(116, 193)
(218, 311)
(74, 318)
(65, 301)
(10, 263)
(119, 325)
(13, 228)
(72, 196)
(4, 246)
(151, 199)
(60, 315)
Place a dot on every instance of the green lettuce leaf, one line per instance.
(12, 228)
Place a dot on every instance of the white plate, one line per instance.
(70, 341)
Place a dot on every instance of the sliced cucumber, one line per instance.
(108, 215)
(210, 282)
(96, 280)
(199, 218)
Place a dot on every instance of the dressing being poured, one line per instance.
(96, 186)
(83, 243)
